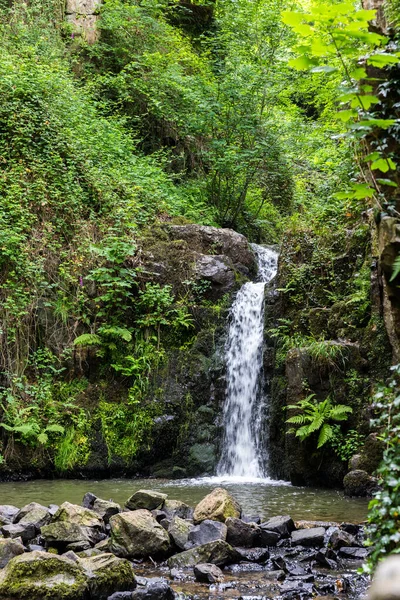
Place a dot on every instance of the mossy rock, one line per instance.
(108, 574)
(41, 576)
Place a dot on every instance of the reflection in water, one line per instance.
(258, 496)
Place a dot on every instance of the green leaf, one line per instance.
(54, 428)
(43, 438)
(365, 102)
(87, 339)
(325, 434)
(346, 115)
(396, 268)
(383, 164)
(382, 59)
(302, 63)
(382, 123)
(323, 69)
(388, 182)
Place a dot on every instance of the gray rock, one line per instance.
(326, 558)
(252, 554)
(359, 483)
(251, 519)
(341, 538)
(218, 270)
(38, 547)
(218, 505)
(8, 549)
(179, 530)
(308, 537)
(71, 555)
(106, 509)
(146, 499)
(88, 500)
(207, 531)
(136, 534)
(219, 553)
(156, 589)
(353, 553)
(242, 534)
(268, 538)
(386, 582)
(24, 531)
(176, 508)
(71, 536)
(208, 573)
(33, 513)
(7, 513)
(39, 575)
(283, 525)
(121, 596)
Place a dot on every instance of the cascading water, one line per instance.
(241, 455)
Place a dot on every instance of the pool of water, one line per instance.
(262, 497)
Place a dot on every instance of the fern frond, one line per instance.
(297, 419)
(43, 438)
(325, 434)
(54, 428)
(340, 412)
(87, 339)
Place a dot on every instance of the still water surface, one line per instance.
(262, 497)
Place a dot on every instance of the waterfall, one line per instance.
(242, 418)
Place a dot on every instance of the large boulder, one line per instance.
(25, 531)
(242, 534)
(8, 549)
(219, 553)
(106, 509)
(208, 573)
(136, 534)
(219, 505)
(179, 530)
(42, 576)
(206, 531)
(34, 514)
(7, 513)
(147, 499)
(283, 525)
(107, 574)
(359, 483)
(73, 527)
(386, 582)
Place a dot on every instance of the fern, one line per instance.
(325, 435)
(87, 339)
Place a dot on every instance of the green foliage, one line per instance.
(384, 514)
(314, 417)
(345, 445)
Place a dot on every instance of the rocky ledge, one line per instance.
(155, 548)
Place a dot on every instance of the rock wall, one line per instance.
(83, 16)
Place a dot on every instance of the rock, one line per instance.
(283, 525)
(326, 558)
(106, 509)
(38, 547)
(34, 514)
(25, 531)
(71, 555)
(351, 528)
(137, 534)
(218, 553)
(312, 524)
(219, 270)
(176, 508)
(8, 549)
(206, 531)
(252, 554)
(121, 596)
(279, 563)
(219, 505)
(70, 535)
(208, 573)
(251, 519)
(88, 500)
(296, 589)
(242, 534)
(7, 513)
(156, 589)
(341, 538)
(73, 513)
(308, 537)
(39, 576)
(53, 508)
(353, 553)
(179, 530)
(146, 499)
(359, 483)
(386, 581)
(107, 574)
(268, 538)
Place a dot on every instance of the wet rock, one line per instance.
(53, 508)
(146, 499)
(242, 534)
(283, 525)
(296, 589)
(179, 530)
(268, 538)
(359, 483)
(39, 575)
(245, 567)
(252, 554)
(251, 519)
(386, 582)
(208, 573)
(156, 589)
(25, 531)
(351, 528)
(7, 513)
(88, 500)
(137, 534)
(326, 558)
(308, 537)
(341, 538)
(313, 524)
(71, 555)
(159, 515)
(34, 514)
(71, 536)
(176, 508)
(207, 531)
(38, 547)
(107, 574)
(353, 553)
(8, 549)
(218, 553)
(219, 505)
(121, 596)
(106, 509)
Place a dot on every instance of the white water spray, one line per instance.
(241, 454)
